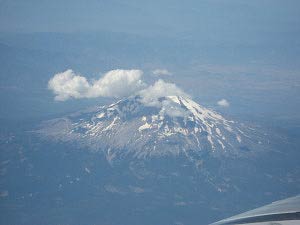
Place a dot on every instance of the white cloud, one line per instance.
(118, 83)
(161, 72)
(173, 109)
(223, 103)
(150, 96)
(115, 83)
(67, 85)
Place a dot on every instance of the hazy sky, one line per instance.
(209, 18)
(251, 45)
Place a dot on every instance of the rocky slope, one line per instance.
(172, 125)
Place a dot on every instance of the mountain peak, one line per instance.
(170, 125)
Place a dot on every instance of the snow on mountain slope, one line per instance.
(174, 125)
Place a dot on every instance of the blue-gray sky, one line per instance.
(246, 52)
(213, 19)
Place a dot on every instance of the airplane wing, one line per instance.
(283, 212)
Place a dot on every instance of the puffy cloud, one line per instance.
(115, 83)
(223, 103)
(118, 83)
(67, 85)
(159, 72)
(150, 95)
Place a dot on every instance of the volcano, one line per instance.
(171, 125)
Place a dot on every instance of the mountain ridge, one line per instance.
(169, 125)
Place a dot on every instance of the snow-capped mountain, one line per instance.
(171, 125)
(139, 158)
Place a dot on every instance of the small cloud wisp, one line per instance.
(161, 72)
(223, 103)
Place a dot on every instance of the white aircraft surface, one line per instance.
(283, 212)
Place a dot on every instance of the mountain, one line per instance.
(142, 161)
(171, 125)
